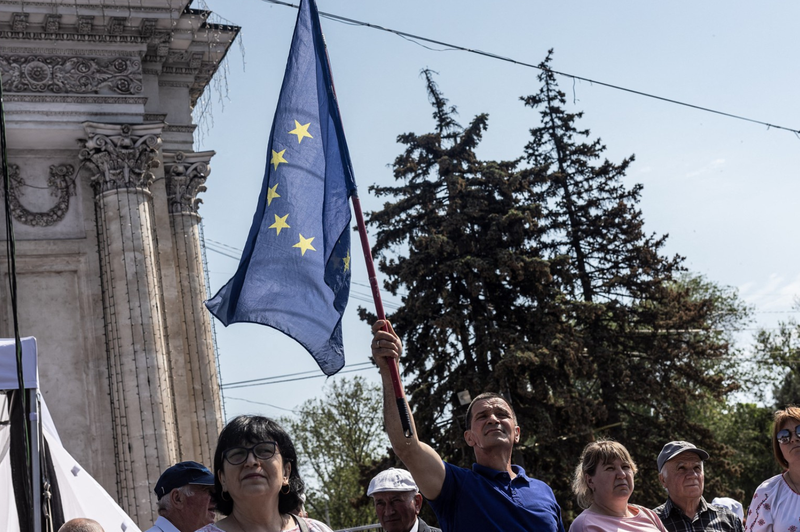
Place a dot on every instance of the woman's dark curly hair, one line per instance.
(251, 430)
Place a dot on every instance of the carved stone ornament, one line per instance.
(61, 75)
(52, 23)
(122, 155)
(85, 23)
(19, 21)
(61, 184)
(186, 175)
(147, 28)
(116, 25)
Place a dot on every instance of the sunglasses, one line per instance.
(262, 451)
(784, 436)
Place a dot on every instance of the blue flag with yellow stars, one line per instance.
(294, 274)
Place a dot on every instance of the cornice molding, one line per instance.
(127, 8)
(70, 113)
(64, 98)
(180, 128)
(74, 37)
(25, 50)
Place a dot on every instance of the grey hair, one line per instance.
(81, 524)
(663, 471)
(165, 502)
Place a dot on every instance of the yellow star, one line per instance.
(271, 194)
(347, 261)
(277, 158)
(300, 131)
(305, 244)
(280, 223)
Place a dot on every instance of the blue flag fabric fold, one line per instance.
(294, 274)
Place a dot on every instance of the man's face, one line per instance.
(198, 508)
(493, 424)
(683, 476)
(397, 510)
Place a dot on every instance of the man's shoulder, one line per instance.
(662, 509)
(162, 524)
(424, 527)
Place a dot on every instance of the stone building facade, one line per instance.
(98, 98)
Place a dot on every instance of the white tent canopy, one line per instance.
(81, 495)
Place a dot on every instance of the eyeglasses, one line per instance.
(784, 436)
(262, 451)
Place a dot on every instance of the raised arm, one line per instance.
(421, 460)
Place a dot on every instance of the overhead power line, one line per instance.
(291, 377)
(490, 55)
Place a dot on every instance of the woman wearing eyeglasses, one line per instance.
(256, 479)
(603, 483)
(776, 502)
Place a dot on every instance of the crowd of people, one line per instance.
(256, 484)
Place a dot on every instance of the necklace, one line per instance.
(791, 482)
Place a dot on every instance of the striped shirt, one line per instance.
(709, 518)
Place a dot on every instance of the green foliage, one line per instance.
(745, 458)
(535, 278)
(778, 361)
(336, 437)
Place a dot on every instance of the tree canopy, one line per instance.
(336, 436)
(535, 278)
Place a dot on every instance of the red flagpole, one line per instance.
(402, 406)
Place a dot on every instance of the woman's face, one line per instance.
(255, 478)
(791, 449)
(612, 483)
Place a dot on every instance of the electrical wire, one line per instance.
(316, 375)
(310, 372)
(11, 262)
(264, 404)
(412, 37)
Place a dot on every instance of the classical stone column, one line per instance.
(143, 412)
(185, 174)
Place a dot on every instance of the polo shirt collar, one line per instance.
(494, 474)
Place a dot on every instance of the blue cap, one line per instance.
(182, 474)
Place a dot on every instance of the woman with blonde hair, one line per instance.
(603, 484)
(776, 502)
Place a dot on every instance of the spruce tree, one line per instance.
(459, 243)
(535, 278)
(652, 343)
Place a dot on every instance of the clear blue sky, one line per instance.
(725, 191)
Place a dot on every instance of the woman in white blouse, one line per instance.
(776, 502)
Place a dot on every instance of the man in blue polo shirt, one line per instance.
(494, 495)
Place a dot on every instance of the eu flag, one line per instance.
(294, 274)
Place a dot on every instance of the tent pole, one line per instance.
(36, 481)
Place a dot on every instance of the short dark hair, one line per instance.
(484, 396)
(781, 416)
(254, 429)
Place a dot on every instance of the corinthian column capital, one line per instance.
(186, 175)
(122, 154)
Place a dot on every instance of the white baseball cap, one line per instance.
(392, 479)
